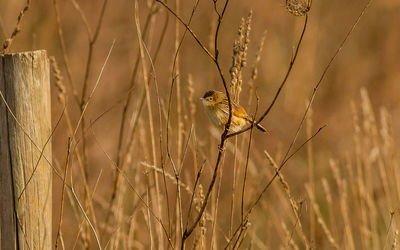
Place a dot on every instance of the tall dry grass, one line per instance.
(139, 166)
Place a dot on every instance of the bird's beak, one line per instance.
(201, 98)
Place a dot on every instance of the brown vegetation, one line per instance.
(139, 164)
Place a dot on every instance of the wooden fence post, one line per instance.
(25, 171)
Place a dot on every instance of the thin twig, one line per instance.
(84, 214)
(188, 29)
(41, 154)
(190, 229)
(134, 189)
(247, 163)
(93, 90)
(64, 52)
(129, 146)
(244, 222)
(194, 192)
(289, 70)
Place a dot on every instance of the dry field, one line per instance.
(146, 169)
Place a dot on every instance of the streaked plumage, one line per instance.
(217, 108)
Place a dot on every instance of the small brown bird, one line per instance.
(217, 108)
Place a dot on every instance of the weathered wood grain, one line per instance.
(25, 175)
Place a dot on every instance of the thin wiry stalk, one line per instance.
(175, 72)
(83, 17)
(316, 87)
(150, 113)
(59, 230)
(117, 235)
(64, 52)
(81, 119)
(93, 90)
(286, 158)
(41, 154)
(235, 174)
(171, 177)
(130, 140)
(241, 226)
(293, 204)
(62, 98)
(294, 227)
(92, 41)
(241, 235)
(129, 98)
(289, 70)
(246, 166)
(83, 101)
(189, 230)
(81, 223)
(310, 159)
(148, 218)
(317, 212)
(188, 29)
(177, 177)
(194, 192)
(169, 153)
(215, 204)
(160, 135)
(85, 215)
(146, 204)
(254, 75)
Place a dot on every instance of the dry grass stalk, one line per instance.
(310, 159)
(239, 58)
(191, 99)
(200, 242)
(357, 138)
(59, 80)
(329, 200)
(288, 238)
(169, 176)
(370, 153)
(320, 219)
(60, 36)
(157, 205)
(395, 240)
(117, 239)
(254, 70)
(62, 95)
(7, 43)
(192, 110)
(293, 203)
(215, 209)
(389, 151)
(238, 157)
(342, 186)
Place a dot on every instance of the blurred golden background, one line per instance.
(360, 166)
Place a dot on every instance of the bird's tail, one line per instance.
(258, 126)
(261, 128)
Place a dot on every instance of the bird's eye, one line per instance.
(210, 98)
